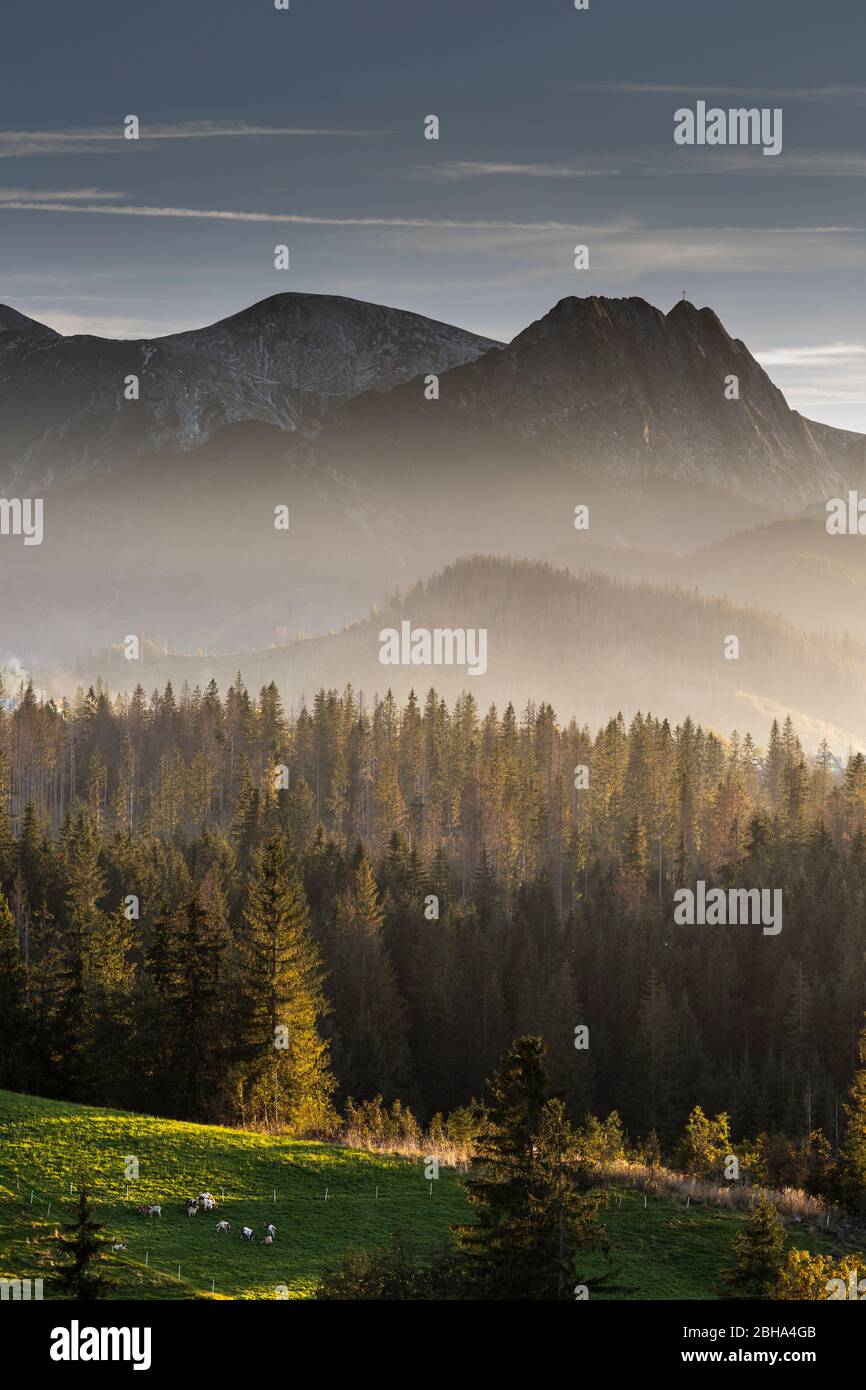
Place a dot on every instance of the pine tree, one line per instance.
(760, 1252)
(190, 1008)
(284, 1078)
(371, 1054)
(7, 839)
(653, 1060)
(535, 1214)
(635, 863)
(13, 1005)
(83, 1251)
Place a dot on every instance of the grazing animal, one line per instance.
(191, 1208)
(247, 1233)
(206, 1201)
(118, 1245)
(155, 1210)
(271, 1229)
(223, 1226)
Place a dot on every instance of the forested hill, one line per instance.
(555, 907)
(585, 644)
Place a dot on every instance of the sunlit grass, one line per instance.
(664, 1250)
(46, 1145)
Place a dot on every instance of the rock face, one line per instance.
(330, 347)
(619, 390)
(287, 361)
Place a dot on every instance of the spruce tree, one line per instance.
(284, 1078)
(527, 1185)
(7, 839)
(13, 1004)
(188, 1009)
(371, 1055)
(82, 1250)
(760, 1252)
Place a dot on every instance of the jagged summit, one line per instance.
(624, 392)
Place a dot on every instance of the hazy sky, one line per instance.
(556, 128)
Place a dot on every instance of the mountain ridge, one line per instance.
(287, 361)
(585, 644)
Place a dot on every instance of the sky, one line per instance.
(305, 127)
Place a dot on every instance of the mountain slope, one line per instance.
(813, 580)
(286, 361)
(329, 346)
(589, 646)
(616, 391)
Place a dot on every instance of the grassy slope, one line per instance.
(667, 1250)
(664, 1251)
(45, 1144)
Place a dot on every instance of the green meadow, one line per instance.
(45, 1146)
(322, 1198)
(671, 1250)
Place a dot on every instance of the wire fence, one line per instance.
(63, 1209)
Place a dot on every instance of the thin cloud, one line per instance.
(791, 163)
(836, 92)
(64, 204)
(620, 249)
(623, 251)
(453, 171)
(18, 144)
(822, 354)
(818, 374)
(676, 163)
(40, 196)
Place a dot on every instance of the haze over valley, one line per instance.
(602, 440)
